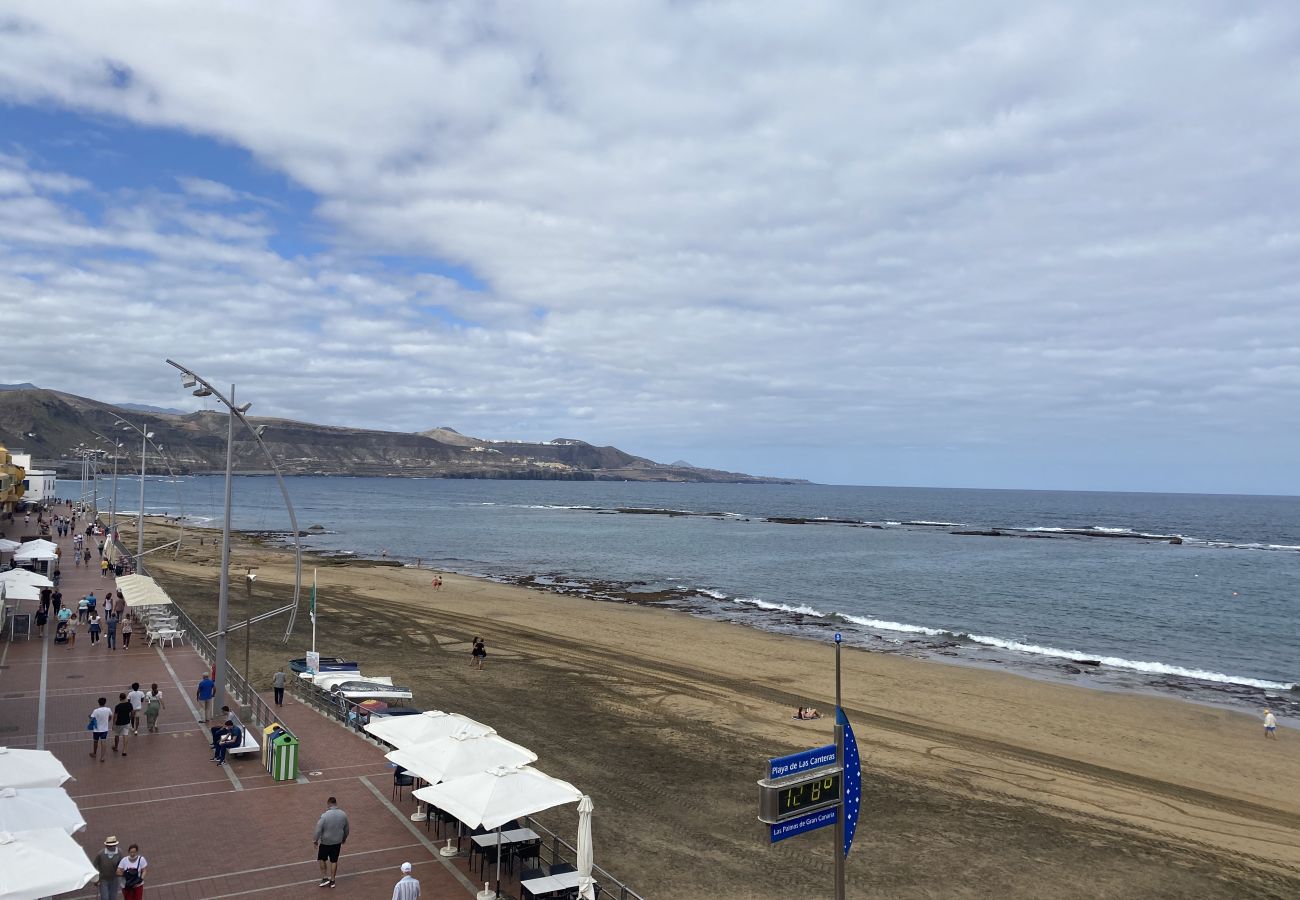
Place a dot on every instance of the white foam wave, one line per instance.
(892, 626)
(709, 592)
(1150, 668)
(936, 524)
(803, 609)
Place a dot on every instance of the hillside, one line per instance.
(51, 425)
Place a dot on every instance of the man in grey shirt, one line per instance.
(331, 831)
(277, 683)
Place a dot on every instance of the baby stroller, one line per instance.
(61, 633)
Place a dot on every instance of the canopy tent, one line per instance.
(492, 798)
(466, 752)
(22, 809)
(8, 546)
(26, 576)
(141, 590)
(41, 862)
(586, 886)
(30, 769)
(407, 731)
(38, 549)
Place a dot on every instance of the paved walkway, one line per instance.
(209, 831)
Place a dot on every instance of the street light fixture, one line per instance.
(145, 437)
(189, 378)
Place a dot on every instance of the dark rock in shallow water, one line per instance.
(1088, 662)
(992, 532)
(1073, 670)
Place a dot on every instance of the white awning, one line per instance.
(141, 590)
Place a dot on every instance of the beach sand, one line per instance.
(976, 783)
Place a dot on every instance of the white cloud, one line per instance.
(872, 225)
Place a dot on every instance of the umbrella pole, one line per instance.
(498, 861)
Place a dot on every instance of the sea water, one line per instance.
(1187, 593)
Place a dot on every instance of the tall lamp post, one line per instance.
(203, 388)
(144, 451)
(112, 512)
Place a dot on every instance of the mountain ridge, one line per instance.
(54, 425)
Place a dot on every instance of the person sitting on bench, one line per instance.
(231, 737)
(217, 732)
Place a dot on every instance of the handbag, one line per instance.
(131, 878)
(90, 726)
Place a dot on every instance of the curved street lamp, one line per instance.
(145, 438)
(203, 388)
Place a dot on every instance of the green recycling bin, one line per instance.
(284, 757)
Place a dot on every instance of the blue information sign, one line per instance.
(810, 822)
(803, 761)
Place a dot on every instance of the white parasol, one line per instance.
(37, 549)
(407, 731)
(586, 885)
(467, 752)
(19, 590)
(41, 863)
(25, 576)
(30, 769)
(8, 546)
(22, 809)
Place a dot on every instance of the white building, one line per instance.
(39, 485)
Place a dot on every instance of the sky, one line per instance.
(1000, 244)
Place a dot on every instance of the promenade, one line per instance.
(208, 831)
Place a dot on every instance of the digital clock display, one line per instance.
(808, 795)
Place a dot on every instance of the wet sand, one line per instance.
(976, 783)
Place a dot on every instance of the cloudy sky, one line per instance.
(983, 244)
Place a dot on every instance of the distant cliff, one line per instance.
(50, 424)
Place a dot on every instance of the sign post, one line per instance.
(839, 849)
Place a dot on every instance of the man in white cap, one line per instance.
(105, 863)
(408, 888)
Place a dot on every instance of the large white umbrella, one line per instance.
(22, 809)
(586, 885)
(466, 752)
(19, 590)
(8, 546)
(492, 798)
(37, 549)
(25, 576)
(407, 731)
(30, 769)
(141, 590)
(41, 863)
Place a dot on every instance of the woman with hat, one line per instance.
(105, 863)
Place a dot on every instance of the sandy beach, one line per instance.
(976, 782)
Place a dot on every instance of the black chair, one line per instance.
(529, 850)
(401, 780)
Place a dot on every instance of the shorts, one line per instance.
(328, 852)
(100, 735)
(1270, 728)
(124, 730)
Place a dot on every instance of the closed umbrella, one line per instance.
(41, 863)
(586, 886)
(407, 731)
(492, 798)
(30, 769)
(22, 809)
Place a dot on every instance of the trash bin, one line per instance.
(268, 734)
(284, 757)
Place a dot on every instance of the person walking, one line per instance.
(94, 628)
(83, 610)
(1270, 725)
(105, 863)
(331, 833)
(101, 720)
(277, 685)
(127, 628)
(136, 697)
(153, 705)
(131, 870)
(207, 688)
(121, 722)
(478, 654)
(407, 888)
(111, 630)
(103, 565)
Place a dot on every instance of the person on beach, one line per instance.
(105, 863)
(101, 720)
(332, 831)
(122, 722)
(153, 705)
(277, 685)
(131, 870)
(1270, 725)
(207, 688)
(437, 582)
(478, 654)
(407, 888)
(93, 622)
(136, 696)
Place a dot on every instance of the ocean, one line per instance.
(1187, 594)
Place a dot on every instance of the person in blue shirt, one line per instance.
(207, 688)
(232, 737)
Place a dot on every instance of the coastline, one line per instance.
(643, 707)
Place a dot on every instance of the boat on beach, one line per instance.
(327, 664)
(371, 690)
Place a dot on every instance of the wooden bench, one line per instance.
(247, 743)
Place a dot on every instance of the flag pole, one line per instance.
(839, 758)
(313, 610)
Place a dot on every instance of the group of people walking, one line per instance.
(120, 874)
(122, 720)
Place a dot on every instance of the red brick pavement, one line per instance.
(210, 831)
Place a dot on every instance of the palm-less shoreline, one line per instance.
(977, 782)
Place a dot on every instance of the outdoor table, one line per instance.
(513, 836)
(549, 884)
(163, 634)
